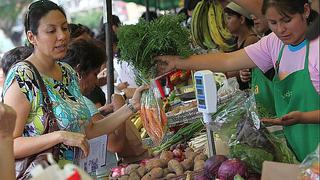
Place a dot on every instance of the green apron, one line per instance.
(263, 91)
(297, 93)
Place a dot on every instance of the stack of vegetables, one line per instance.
(174, 163)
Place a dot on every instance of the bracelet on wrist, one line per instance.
(131, 107)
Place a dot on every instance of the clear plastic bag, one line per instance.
(153, 117)
(310, 166)
(230, 86)
(248, 139)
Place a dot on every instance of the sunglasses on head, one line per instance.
(36, 5)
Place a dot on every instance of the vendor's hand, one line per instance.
(7, 120)
(75, 139)
(117, 101)
(166, 63)
(137, 96)
(289, 119)
(245, 75)
(107, 108)
(122, 85)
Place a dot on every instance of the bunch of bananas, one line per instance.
(208, 27)
(137, 121)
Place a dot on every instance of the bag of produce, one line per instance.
(248, 139)
(154, 119)
(310, 166)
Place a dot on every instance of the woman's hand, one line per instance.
(294, 117)
(166, 64)
(122, 86)
(245, 75)
(137, 96)
(7, 120)
(76, 140)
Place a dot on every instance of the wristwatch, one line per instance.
(131, 107)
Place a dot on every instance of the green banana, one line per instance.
(195, 24)
(215, 28)
(208, 41)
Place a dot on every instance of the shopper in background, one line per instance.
(96, 95)
(47, 30)
(86, 57)
(295, 60)
(240, 25)
(79, 31)
(10, 58)
(7, 123)
(14, 56)
(152, 16)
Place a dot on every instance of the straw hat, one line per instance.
(236, 8)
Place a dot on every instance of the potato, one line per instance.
(156, 172)
(155, 163)
(198, 165)
(153, 174)
(201, 156)
(165, 171)
(187, 164)
(166, 156)
(125, 177)
(190, 155)
(134, 175)
(141, 171)
(130, 168)
(170, 175)
(175, 166)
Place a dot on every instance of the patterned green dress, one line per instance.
(69, 105)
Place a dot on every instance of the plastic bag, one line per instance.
(310, 166)
(53, 172)
(154, 119)
(230, 86)
(248, 139)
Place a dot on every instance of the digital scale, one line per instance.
(206, 94)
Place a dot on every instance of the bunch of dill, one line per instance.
(140, 43)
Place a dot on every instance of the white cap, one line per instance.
(236, 8)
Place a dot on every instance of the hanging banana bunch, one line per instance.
(208, 27)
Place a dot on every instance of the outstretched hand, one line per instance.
(7, 120)
(166, 64)
(289, 119)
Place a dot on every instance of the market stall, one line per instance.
(178, 139)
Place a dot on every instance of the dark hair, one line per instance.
(249, 22)
(36, 11)
(101, 36)
(285, 7)
(14, 56)
(191, 4)
(86, 55)
(152, 16)
(77, 30)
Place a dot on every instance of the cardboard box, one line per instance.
(279, 171)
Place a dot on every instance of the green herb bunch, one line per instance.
(140, 43)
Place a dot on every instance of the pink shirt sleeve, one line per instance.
(264, 53)
(314, 64)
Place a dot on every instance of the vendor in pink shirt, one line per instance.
(295, 60)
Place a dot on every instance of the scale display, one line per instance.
(206, 91)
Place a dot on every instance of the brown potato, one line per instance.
(175, 166)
